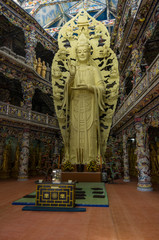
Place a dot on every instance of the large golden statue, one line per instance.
(85, 87)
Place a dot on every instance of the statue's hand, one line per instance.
(84, 87)
(72, 68)
(90, 88)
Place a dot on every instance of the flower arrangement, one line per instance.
(67, 166)
(93, 166)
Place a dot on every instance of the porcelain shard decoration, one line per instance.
(85, 82)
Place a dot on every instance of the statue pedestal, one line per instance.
(82, 176)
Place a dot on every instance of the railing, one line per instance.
(150, 79)
(23, 114)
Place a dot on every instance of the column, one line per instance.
(125, 158)
(30, 38)
(24, 157)
(135, 63)
(143, 157)
(28, 92)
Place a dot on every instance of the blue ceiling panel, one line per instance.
(53, 14)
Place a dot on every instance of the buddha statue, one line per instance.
(39, 66)
(85, 89)
(43, 71)
(35, 63)
(85, 92)
(47, 72)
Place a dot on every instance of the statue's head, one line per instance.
(83, 49)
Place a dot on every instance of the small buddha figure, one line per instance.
(43, 71)
(69, 33)
(63, 54)
(21, 103)
(48, 72)
(101, 52)
(39, 66)
(56, 71)
(35, 63)
(113, 71)
(106, 51)
(98, 31)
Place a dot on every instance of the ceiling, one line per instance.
(53, 14)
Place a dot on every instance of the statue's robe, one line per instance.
(84, 107)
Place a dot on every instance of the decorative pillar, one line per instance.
(30, 38)
(121, 90)
(24, 157)
(135, 63)
(125, 158)
(143, 157)
(28, 92)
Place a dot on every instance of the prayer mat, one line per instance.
(84, 195)
(53, 209)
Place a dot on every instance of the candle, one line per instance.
(100, 162)
(77, 154)
(59, 162)
(80, 155)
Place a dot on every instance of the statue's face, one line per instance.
(83, 53)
